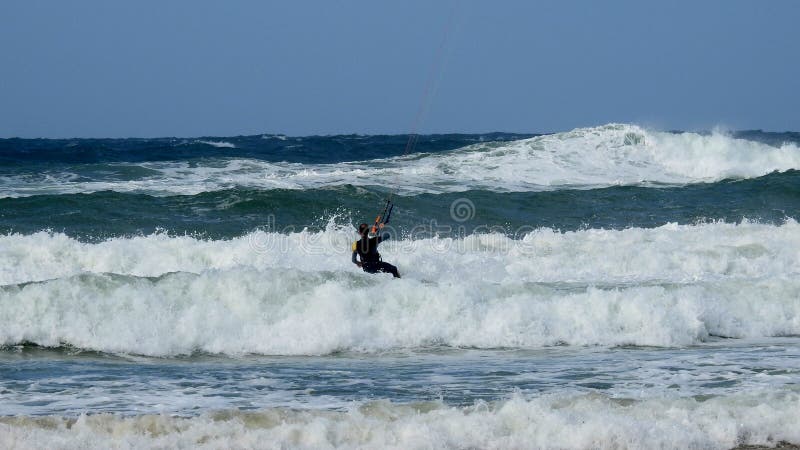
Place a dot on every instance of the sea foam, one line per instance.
(553, 421)
(674, 285)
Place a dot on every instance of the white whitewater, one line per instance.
(675, 285)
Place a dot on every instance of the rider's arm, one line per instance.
(355, 254)
(382, 237)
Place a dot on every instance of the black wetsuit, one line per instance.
(367, 250)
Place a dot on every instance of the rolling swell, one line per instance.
(269, 147)
(235, 212)
(587, 158)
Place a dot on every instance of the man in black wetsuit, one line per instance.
(366, 249)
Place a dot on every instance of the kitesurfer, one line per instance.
(366, 249)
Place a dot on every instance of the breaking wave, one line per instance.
(610, 155)
(298, 294)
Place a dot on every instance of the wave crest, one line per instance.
(218, 144)
(285, 313)
(610, 155)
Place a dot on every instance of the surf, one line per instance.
(762, 418)
(162, 295)
(584, 158)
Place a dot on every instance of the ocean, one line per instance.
(605, 287)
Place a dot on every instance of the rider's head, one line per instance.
(363, 229)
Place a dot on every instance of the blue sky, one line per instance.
(189, 68)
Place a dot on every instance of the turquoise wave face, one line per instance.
(233, 212)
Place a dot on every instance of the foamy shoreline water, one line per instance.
(580, 421)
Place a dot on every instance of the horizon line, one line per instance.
(715, 129)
